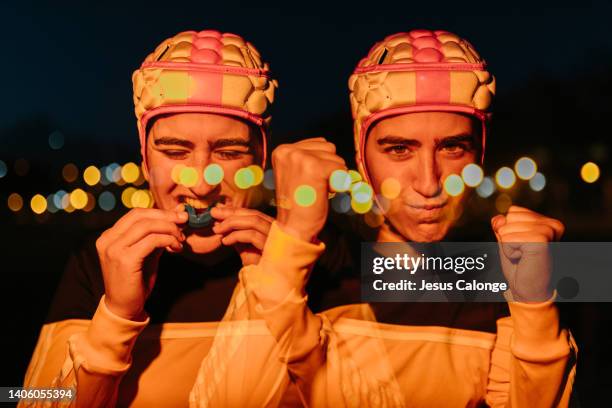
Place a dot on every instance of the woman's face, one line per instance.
(197, 140)
(419, 150)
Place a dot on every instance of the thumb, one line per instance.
(497, 222)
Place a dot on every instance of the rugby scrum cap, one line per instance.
(206, 71)
(419, 71)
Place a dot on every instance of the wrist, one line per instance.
(136, 315)
(307, 235)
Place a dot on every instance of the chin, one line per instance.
(425, 232)
(199, 244)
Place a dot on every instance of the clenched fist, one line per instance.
(523, 236)
(305, 165)
(129, 253)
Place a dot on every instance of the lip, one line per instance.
(428, 213)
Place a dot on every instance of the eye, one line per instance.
(176, 154)
(231, 154)
(397, 150)
(454, 149)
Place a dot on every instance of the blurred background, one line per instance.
(69, 155)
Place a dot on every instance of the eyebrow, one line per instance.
(399, 140)
(173, 141)
(230, 142)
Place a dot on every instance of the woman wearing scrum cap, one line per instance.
(138, 308)
(421, 107)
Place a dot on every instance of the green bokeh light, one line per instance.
(305, 195)
(213, 174)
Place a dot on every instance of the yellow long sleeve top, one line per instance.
(345, 357)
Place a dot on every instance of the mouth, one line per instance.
(199, 211)
(201, 205)
(428, 213)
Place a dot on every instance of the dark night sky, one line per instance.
(72, 62)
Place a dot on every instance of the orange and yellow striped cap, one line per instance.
(206, 71)
(418, 71)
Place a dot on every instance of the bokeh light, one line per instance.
(38, 204)
(56, 140)
(373, 220)
(361, 208)
(472, 175)
(390, 188)
(112, 172)
(503, 202)
(213, 174)
(590, 172)
(65, 204)
(15, 202)
(244, 178)
(91, 175)
(126, 197)
(537, 182)
(382, 205)
(51, 207)
(21, 166)
(188, 177)
(340, 181)
(258, 174)
(58, 199)
(78, 199)
(3, 169)
(116, 175)
(130, 172)
(106, 201)
(305, 195)
(91, 203)
(525, 168)
(486, 188)
(505, 177)
(141, 199)
(268, 181)
(175, 174)
(453, 185)
(69, 208)
(105, 181)
(355, 176)
(361, 192)
(70, 172)
(341, 203)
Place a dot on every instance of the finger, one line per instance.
(510, 250)
(497, 222)
(319, 139)
(242, 223)
(226, 212)
(527, 227)
(523, 237)
(523, 216)
(331, 157)
(557, 226)
(152, 241)
(318, 145)
(252, 237)
(144, 227)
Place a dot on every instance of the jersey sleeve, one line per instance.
(534, 359)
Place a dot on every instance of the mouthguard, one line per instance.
(199, 220)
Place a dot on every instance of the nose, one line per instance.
(427, 178)
(202, 188)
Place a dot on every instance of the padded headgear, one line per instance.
(208, 72)
(418, 71)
